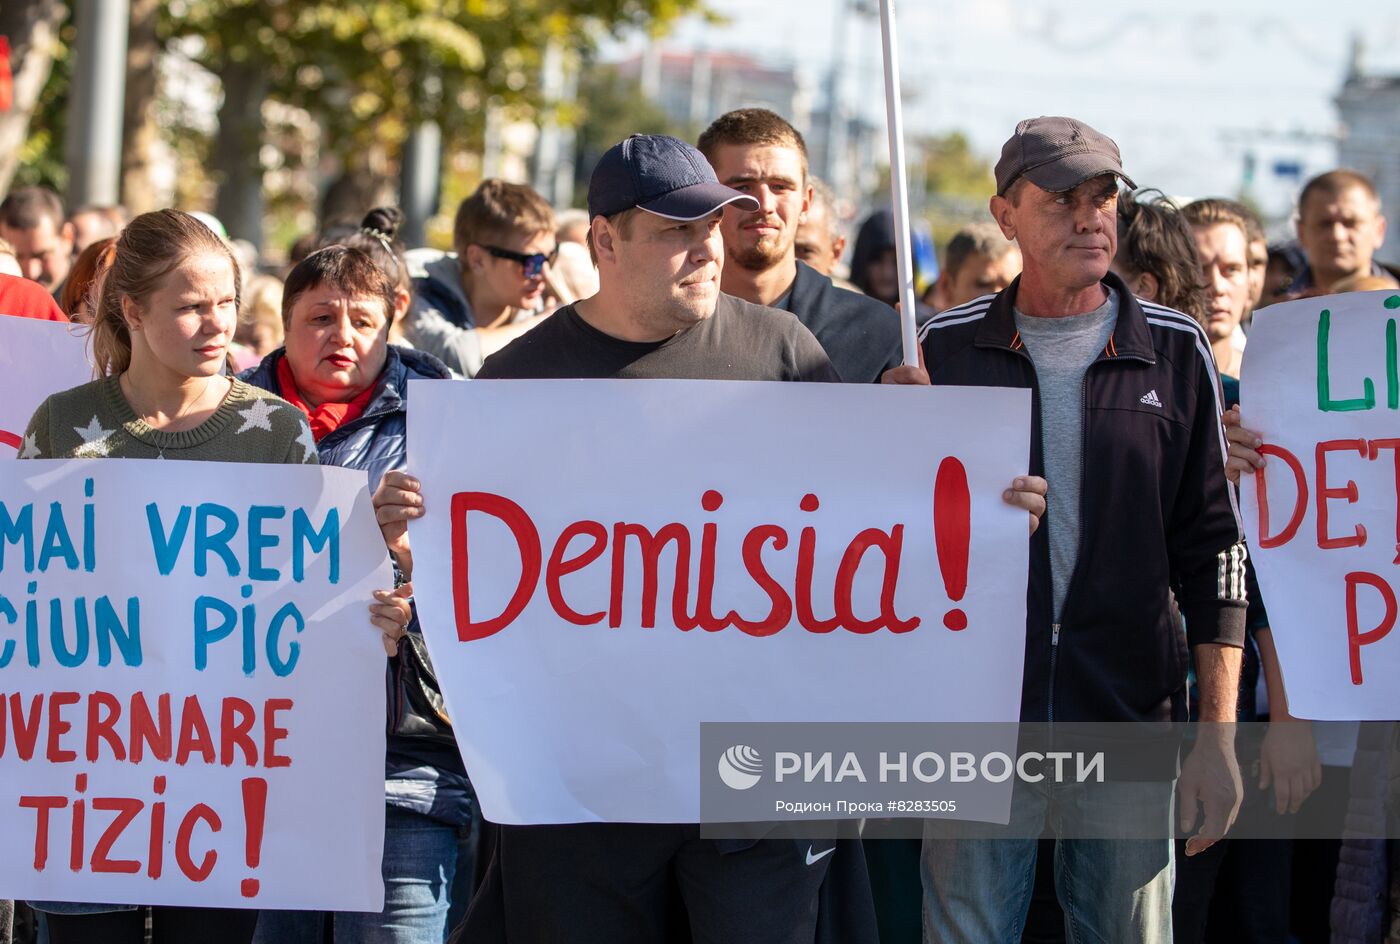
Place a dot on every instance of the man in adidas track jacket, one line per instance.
(1127, 431)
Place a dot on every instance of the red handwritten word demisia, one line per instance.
(783, 600)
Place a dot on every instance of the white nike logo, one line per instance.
(813, 859)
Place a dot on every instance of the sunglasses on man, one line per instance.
(532, 263)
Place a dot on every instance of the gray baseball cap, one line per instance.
(1057, 154)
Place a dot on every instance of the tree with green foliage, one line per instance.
(951, 169)
(30, 29)
(365, 71)
(368, 71)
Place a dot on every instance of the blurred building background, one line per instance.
(1369, 108)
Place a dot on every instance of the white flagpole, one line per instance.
(894, 121)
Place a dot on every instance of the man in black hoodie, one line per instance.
(873, 260)
(758, 153)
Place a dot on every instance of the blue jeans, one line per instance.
(978, 877)
(420, 858)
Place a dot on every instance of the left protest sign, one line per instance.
(37, 358)
(191, 692)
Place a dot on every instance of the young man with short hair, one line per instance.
(659, 310)
(1223, 235)
(1222, 246)
(758, 153)
(470, 303)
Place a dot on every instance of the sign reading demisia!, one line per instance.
(191, 691)
(1321, 385)
(37, 358)
(606, 564)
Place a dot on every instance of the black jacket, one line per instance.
(861, 336)
(1157, 514)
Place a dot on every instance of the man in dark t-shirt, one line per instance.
(655, 209)
(659, 313)
(739, 341)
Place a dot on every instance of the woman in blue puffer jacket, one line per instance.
(338, 366)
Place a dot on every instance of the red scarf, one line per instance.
(327, 416)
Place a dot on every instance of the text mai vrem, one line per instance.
(207, 539)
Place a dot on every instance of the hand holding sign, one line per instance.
(397, 501)
(1244, 458)
(391, 613)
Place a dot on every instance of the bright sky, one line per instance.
(1186, 88)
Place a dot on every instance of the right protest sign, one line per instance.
(1321, 386)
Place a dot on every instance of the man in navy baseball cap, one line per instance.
(658, 315)
(654, 233)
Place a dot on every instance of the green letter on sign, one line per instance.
(1325, 403)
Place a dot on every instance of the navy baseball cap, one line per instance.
(662, 175)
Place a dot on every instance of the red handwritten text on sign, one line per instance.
(885, 544)
(130, 730)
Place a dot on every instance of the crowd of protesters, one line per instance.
(724, 260)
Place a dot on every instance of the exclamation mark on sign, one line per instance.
(254, 814)
(952, 534)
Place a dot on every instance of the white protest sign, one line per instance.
(790, 573)
(191, 691)
(37, 358)
(1321, 386)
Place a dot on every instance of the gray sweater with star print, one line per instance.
(95, 421)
